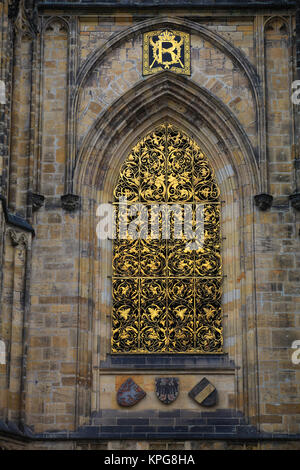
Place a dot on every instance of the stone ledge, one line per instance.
(234, 432)
(168, 3)
(190, 362)
(14, 219)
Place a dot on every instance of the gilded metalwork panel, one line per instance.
(167, 279)
(166, 50)
(125, 316)
(153, 308)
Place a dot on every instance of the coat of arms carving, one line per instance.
(167, 389)
(204, 393)
(130, 393)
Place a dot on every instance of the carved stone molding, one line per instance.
(70, 202)
(263, 201)
(57, 26)
(276, 25)
(295, 201)
(18, 238)
(24, 15)
(36, 200)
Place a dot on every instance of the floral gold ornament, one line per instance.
(166, 50)
(166, 296)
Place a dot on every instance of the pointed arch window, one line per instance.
(167, 284)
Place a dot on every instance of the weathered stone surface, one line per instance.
(76, 102)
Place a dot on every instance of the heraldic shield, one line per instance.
(167, 389)
(204, 393)
(130, 393)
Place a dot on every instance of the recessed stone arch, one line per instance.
(53, 89)
(53, 21)
(198, 106)
(205, 118)
(237, 57)
(278, 83)
(277, 24)
(211, 36)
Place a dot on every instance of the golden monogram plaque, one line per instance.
(166, 50)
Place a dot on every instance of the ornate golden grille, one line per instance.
(167, 293)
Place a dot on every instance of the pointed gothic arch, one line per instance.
(151, 101)
(166, 279)
(203, 117)
(117, 39)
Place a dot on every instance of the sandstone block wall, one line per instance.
(77, 102)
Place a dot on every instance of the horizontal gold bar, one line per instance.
(195, 352)
(180, 203)
(167, 277)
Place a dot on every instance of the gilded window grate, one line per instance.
(166, 296)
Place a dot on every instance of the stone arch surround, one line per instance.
(49, 22)
(55, 293)
(235, 55)
(206, 119)
(199, 106)
(211, 36)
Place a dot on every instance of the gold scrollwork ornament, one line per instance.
(166, 296)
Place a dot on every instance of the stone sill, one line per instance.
(180, 362)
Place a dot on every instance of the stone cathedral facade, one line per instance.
(149, 343)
